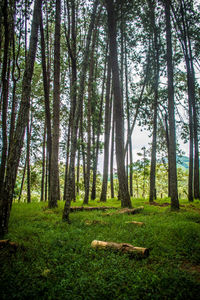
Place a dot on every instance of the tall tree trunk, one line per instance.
(15, 152)
(54, 175)
(108, 106)
(4, 78)
(46, 86)
(172, 127)
(152, 192)
(128, 125)
(77, 117)
(118, 105)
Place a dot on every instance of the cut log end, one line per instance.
(121, 247)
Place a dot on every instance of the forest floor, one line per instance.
(54, 260)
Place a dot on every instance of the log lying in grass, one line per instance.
(94, 222)
(82, 208)
(135, 222)
(129, 211)
(121, 247)
(6, 243)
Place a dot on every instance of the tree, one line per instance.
(54, 175)
(71, 172)
(118, 106)
(15, 150)
(172, 126)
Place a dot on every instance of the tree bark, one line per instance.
(54, 175)
(5, 81)
(152, 193)
(118, 106)
(15, 152)
(172, 126)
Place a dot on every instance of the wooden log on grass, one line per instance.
(135, 223)
(83, 208)
(129, 211)
(121, 247)
(6, 243)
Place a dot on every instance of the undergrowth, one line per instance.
(55, 260)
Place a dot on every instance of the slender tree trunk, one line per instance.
(128, 125)
(15, 152)
(152, 193)
(118, 105)
(112, 154)
(28, 135)
(106, 134)
(46, 86)
(54, 175)
(43, 165)
(172, 126)
(77, 117)
(167, 141)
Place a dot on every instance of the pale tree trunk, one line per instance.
(15, 151)
(118, 106)
(54, 175)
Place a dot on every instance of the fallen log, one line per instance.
(121, 247)
(82, 208)
(94, 222)
(135, 223)
(6, 243)
(129, 211)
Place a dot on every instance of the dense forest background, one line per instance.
(76, 78)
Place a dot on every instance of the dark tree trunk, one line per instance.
(106, 134)
(152, 193)
(118, 106)
(15, 151)
(172, 127)
(71, 175)
(54, 175)
(4, 78)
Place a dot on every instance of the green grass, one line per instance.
(55, 259)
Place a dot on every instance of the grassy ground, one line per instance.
(55, 259)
